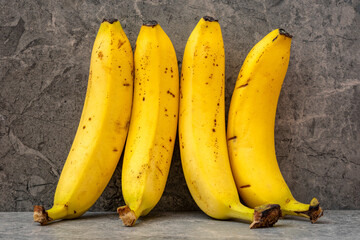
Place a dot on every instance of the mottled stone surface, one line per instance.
(45, 51)
(336, 224)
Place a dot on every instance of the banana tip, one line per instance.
(110, 20)
(150, 23)
(285, 33)
(210, 19)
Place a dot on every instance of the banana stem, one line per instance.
(44, 217)
(127, 216)
(266, 216)
(41, 216)
(313, 211)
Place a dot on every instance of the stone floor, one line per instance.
(178, 225)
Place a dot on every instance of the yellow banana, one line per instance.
(203, 147)
(102, 130)
(153, 125)
(251, 124)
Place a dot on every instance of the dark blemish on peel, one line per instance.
(84, 127)
(115, 150)
(275, 38)
(244, 85)
(259, 57)
(143, 98)
(168, 92)
(213, 130)
(100, 55)
(126, 84)
(232, 138)
(120, 43)
(245, 186)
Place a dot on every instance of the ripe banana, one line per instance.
(102, 130)
(203, 147)
(153, 124)
(251, 124)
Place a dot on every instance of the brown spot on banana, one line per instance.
(245, 84)
(259, 57)
(168, 92)
(159, 170)
(120, 43)
(100, 55)
(232, 138)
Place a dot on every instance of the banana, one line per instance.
(102, 130)
(251, 122)
(202, 133)
(153, 124)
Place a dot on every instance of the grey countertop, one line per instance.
(334, 224)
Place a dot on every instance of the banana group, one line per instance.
(102, 130)
(153, 125)
(217, 166)
(202, 134)
(251, 122)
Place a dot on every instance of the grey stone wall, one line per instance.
(45, 51)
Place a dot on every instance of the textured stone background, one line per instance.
(44, 60)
